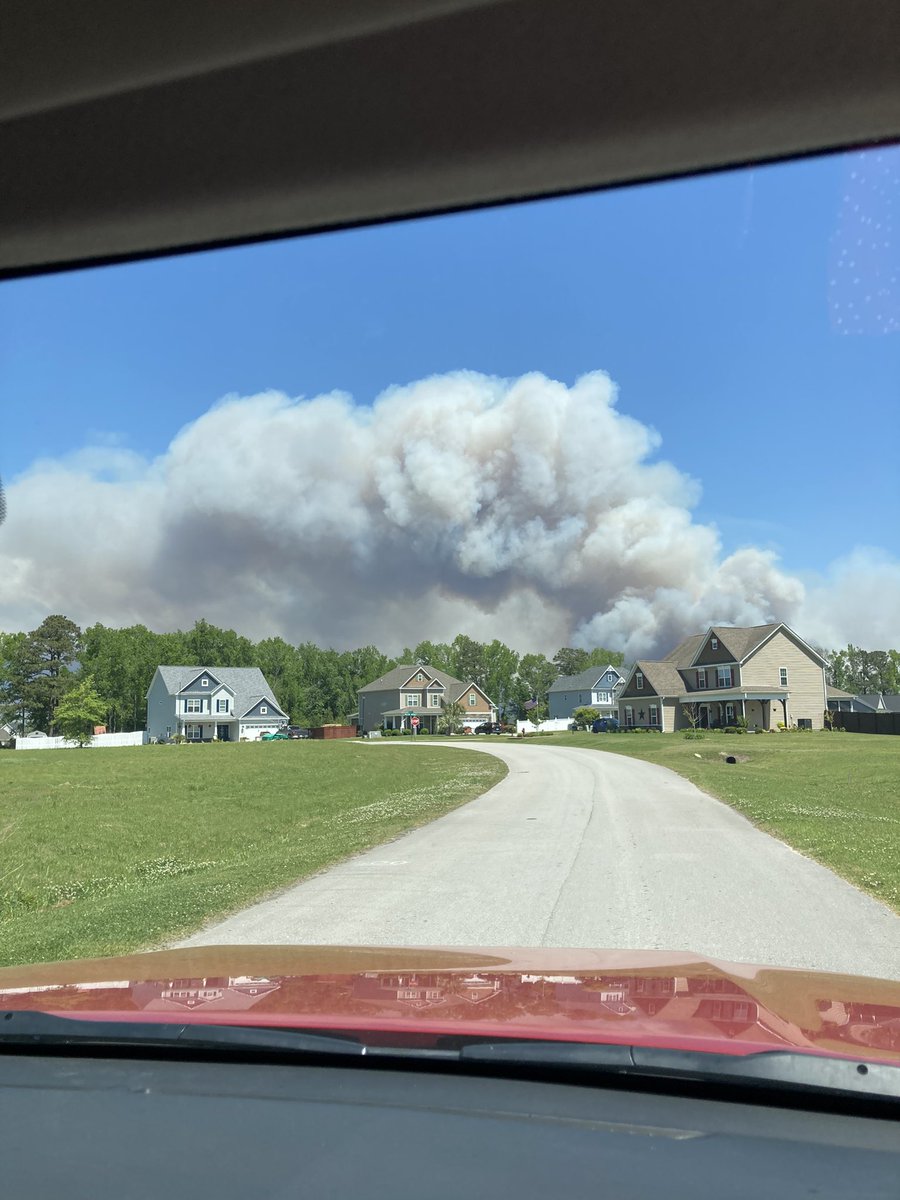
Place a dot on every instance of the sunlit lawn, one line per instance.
(832, 796)
(105, 851)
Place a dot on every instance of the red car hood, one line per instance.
(409, 996)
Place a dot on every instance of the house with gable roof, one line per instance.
(390, 701)
(212, 703)
(765, 674)
(596, 687)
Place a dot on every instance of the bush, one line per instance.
(694, 735)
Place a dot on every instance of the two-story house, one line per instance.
(765, 674)
(596, 687)
(420, 691)
(206, 703)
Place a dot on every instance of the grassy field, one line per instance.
(106, 851)
(833, 796)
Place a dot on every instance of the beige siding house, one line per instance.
(391, 701)
(764, 674)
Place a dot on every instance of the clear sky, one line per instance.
(713, 303)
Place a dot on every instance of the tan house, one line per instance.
(765, 674)
(391, 701)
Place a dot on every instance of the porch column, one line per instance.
(743, 709)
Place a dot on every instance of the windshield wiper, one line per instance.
(38, 1031)
(767, 1069)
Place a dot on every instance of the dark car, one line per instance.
(296, 731)
(605, 725)
(489, 727)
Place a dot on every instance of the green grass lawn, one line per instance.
(107, 851)
(833, 796)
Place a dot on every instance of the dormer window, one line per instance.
(263, 710)
(639, 681)
(713, 643)
(204, 682)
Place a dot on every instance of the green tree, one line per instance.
(585, 717)
(14, 674)
(79, 711)
(435, 654)
(451, 718)
(500, 667)
(533, 680)
(50, 654)
(569, 661)
(467, 660)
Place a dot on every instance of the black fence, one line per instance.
(870, 722)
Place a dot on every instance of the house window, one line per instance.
(639, 682)
(729, 714)
(713, 643)
(783, 674)
(701, 679)
(724, 677)
(473, 699)
(221, 706)
(263, 710)
(654, 715)
(204, 682)
(610, 677)
(413, 699)
(434, 699)
(192, 733)
(629, 715)
(168, 731)
(420, 678)
(193, 704)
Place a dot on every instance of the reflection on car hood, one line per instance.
(647, 998)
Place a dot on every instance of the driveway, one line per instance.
(583, 848)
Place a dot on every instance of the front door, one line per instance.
(223, 733)
(729, 714)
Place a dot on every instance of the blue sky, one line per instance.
(706, 300)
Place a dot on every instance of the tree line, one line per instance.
(113, 669)
(313, 684)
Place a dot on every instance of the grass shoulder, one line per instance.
(833, 796)
(107, 851)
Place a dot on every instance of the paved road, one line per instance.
(582, 848)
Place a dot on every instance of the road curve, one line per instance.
(581, 848)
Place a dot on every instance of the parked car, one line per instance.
(280, 735)
(489, 727)
(296, 731)
(605, 725)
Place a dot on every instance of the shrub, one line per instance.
(695, 735)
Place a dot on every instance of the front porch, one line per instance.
(399, 718)
(209, 730)
(724, 707)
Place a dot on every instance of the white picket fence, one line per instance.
(99, 740)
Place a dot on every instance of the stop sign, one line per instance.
(414, 722)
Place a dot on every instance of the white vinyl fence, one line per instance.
(555, 725)
(99, 740)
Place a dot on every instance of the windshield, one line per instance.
(525, 577)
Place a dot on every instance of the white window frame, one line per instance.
(473, 699)
(713, 643)
(413, 700)
(190, 701)
(629, 715)
(639, 681)
(222, 704)
(783, 676)
(263, 710)
(193, 733)
(434, 699)
(420, 678)
(720, 683)
(730, 712)
(654, 714)
(204, 682)
(701, 675)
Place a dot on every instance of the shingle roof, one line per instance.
(684, 652)
(836, 693)
(741, 639)
(399, 675)
(890, 702)
(248, 683)
(584, 679)
(870, 699)
(663, 677)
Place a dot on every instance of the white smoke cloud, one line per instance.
(522, 509)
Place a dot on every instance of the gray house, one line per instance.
(204, 704)
(596, 687)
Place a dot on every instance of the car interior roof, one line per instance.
(161, 125)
